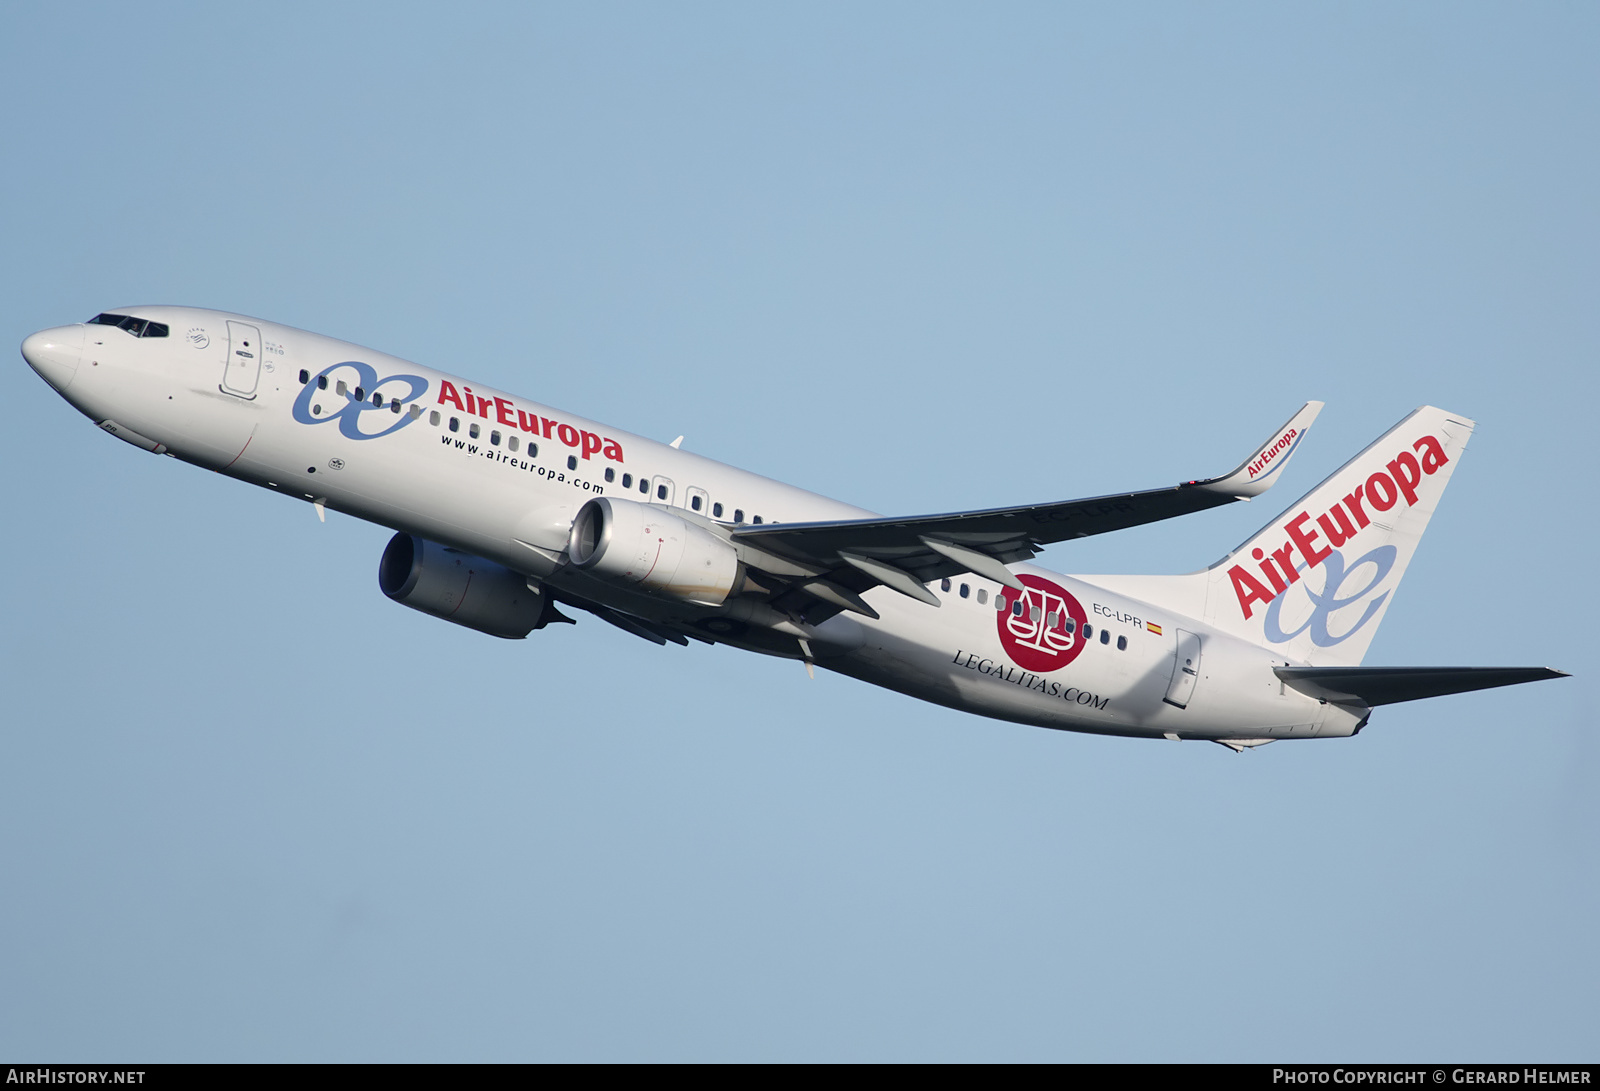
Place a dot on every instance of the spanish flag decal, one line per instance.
(1153, 627)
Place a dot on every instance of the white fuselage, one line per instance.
(501, 477)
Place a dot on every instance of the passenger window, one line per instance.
(340, 388)
(694, 502)
(1105, 636)
(361, 395)
(305, 376)
(1051, 620)
(511, 443)
(1033, 614)
(756, 520)
(1088, 631)
(944, 585)
(716, 511)
(415, 411)
(1070, 625)
(644, 486)
(322, 383)
(433, 418)
(377, 401)
(572, 462)
(494, 438)
(1122, 643)
(474, 431)
(627, 481)
(455, 424)
(611, 475)
(394, 406)
(1016, 608)
(738, 515)
(965, 590)
(983, 596)
(661, 492)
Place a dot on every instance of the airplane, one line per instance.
(506, 511)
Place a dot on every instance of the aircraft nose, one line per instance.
(54, 354)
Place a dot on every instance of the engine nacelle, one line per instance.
(632, 543)
(459, 587)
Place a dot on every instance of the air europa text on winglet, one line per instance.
(1285, 442)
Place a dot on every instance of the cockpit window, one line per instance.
(139, 327)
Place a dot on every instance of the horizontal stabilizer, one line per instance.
(1374, 686)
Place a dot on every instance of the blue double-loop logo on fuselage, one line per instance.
(1329, 599)
(319, 404)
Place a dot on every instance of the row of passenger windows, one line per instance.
(139, 327)
(697, 500)
(1051, 620)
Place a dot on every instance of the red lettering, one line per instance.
(448, 395)
(1306, 540)
(502, 412)
(613, 449)
(548, 424)
(1353, 502)
(1433, 455)
(1377, 485)
(1248, 589)
(1337, 536)
(565, 431)
(528, 422)
(483, 408)
(1408, 483)
(1269, 571)
(1285, 559)
(591, 443)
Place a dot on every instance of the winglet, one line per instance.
(1256, 474)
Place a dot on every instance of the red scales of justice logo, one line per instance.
(1041, 628)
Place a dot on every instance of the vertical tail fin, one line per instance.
(1316, 581)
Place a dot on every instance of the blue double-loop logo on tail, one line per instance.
(1330, 599)
(320, 404)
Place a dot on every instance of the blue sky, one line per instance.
(918, 257)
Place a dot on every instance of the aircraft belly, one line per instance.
(949, 661)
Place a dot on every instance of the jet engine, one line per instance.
(461, 588)
(632, 543)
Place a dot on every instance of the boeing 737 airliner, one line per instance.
(507, 510)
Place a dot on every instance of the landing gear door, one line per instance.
(243, 370)
(1185, 669)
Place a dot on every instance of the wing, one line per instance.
(817, 569)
